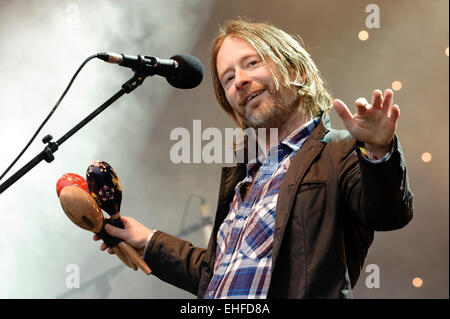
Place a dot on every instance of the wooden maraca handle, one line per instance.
(127, 249)
(123, 257)
(134, 257)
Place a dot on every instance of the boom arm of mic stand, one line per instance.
(47, 153)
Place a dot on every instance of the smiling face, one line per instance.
(249, 86)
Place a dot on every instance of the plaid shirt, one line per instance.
(243, 262)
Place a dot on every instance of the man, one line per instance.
(299, 227)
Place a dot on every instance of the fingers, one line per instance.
(125, 234)
(377, 98)
(395, 113)
(362, 105)
(103, 246)
(116, 231)
(387, 101)
(127, 220)
(380, 102)
(343, 112)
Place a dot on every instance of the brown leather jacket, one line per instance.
(330, 203)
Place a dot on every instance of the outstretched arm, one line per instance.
(378, 194)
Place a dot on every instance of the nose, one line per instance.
(242, 79)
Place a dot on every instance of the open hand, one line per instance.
(373, 124)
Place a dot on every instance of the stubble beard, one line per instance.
(274, 112)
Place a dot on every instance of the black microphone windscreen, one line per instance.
(190, 72)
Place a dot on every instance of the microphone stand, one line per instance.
(206, 220)
(52, 147)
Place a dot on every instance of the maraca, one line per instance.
(105, 188)
(69, 179)
(82, 209)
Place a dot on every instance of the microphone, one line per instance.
(181, 71)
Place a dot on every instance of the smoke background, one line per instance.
(43, 43)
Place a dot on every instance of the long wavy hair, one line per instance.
(289, 64)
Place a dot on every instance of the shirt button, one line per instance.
(210, 293)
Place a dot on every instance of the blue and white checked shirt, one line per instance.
(243, 262)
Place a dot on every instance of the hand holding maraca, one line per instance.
(105, 188)
(134, 233)
(83, 211)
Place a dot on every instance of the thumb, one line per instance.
(115, 231)
(343, 111)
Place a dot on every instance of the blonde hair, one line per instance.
(286, 58)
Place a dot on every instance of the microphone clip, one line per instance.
(140, 74)
(50, 149)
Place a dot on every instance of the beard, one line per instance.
(274, 111)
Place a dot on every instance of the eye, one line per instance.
(228, 79)
(253, 62)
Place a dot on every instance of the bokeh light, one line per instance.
(396, 85)
(363, 35)
(426, 157)
(417, 282)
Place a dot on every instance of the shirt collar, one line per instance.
(293, 141)
(298, 136)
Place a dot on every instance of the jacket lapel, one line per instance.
(295, 174)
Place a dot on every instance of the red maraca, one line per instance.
(105, 188)
(70, 179)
